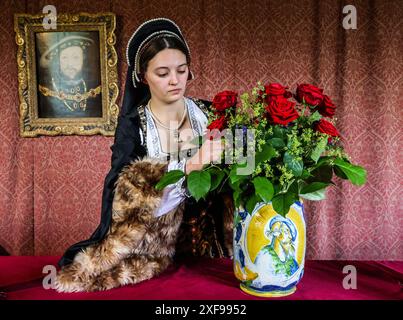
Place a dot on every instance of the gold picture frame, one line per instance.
(67, 76)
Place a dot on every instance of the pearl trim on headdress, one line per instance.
(167, 32)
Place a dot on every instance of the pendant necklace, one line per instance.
(175, 130)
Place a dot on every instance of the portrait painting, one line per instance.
(67, 75)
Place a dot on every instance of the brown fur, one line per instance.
(138, 245)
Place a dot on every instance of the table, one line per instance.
(210, 279)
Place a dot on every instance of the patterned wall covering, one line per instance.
(50, 187)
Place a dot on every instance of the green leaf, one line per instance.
(169, 178)
(325, 160)
(235, 185)
(216, 178)
(237, 198)
(283, 201)
(251, 203)
(356, 174)
(277, 143)
(339, 173)
(316, 116)
(279, 132)
(293, 187)
(312, 187)
(234, 177)
(277, 188)
(267, 153)
(305, 174)
(321, 174)
(320, 147)
(199, 183)
(315, 196)
(264, 188)
(296, 166)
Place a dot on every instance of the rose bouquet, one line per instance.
(280, 146)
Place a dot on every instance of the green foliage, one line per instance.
(315, 195)
(264, 188)
(319, 149)
(291, 161)
(283, 201)
(277, 143)
(217, 176)
(356, 174)
(312, 187)
(295, 164)
(199, 184)
(322, 173)
(316, 116)
(267, 152)
(251, 202)
(169, 178)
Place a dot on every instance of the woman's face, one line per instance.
(167, 75)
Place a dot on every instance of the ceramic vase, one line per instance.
(269, 249)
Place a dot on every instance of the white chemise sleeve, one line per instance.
(173, 194)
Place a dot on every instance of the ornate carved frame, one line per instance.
(31, 125)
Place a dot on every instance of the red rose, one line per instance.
(311, 94)
(326, 127)
(281, 110)
(275, 89)
(218, 124)
(225, 100)
(287, 94)
(327, 108)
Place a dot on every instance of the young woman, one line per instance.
(141, 228)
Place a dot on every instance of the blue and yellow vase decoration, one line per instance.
(269, 249)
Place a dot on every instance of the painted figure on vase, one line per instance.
(269, 250)
(279, 254)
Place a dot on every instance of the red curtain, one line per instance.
(50, 187)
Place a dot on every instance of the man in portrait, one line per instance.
(69, 84)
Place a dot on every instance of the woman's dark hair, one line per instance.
(158, 44)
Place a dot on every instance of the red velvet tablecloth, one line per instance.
(210, 279)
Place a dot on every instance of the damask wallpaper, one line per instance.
(50, 187)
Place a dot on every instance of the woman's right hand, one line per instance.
(210, 151)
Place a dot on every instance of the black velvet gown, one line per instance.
(202, 220)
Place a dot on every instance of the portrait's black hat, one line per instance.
(63, 43)
(136, 92)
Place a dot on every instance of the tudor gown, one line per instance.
(136, 137)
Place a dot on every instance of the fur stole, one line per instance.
(138, 245)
